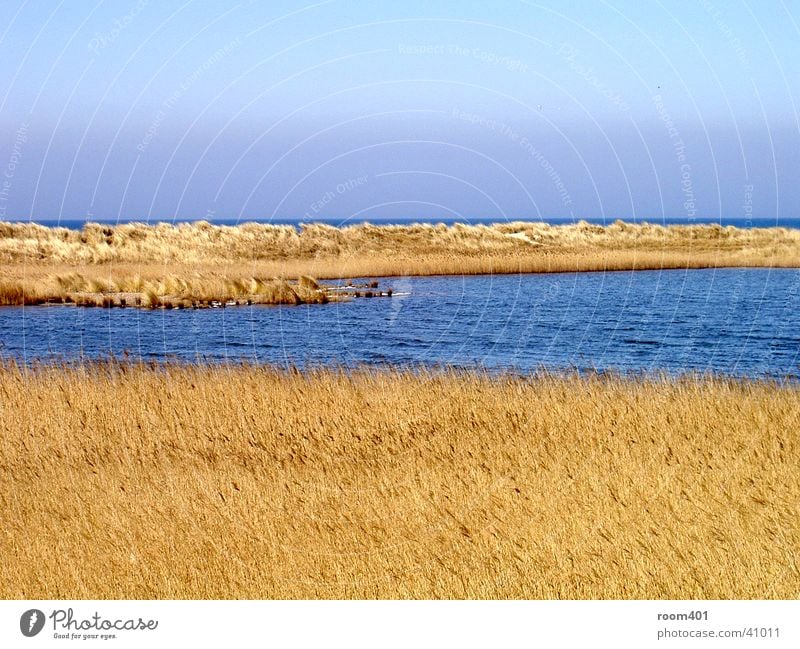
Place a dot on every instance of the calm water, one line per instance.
(738, 322)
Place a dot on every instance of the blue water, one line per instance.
(740, 322)
(77, 224)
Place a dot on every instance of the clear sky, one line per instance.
(376, 109)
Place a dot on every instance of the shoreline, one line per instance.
(77, 291)
(273, 291)
(251, 482)
(199, 261)
(112, 363)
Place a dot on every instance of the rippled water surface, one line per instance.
(733, 321)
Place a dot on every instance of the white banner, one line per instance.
(372, 625)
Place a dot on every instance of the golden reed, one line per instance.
(168, 481)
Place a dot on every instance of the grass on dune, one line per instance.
(167, 481)
(201, 242)
(201, 261)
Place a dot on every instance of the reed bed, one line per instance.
(201, 261)
(191, 290)
(170, 481)
(201, 242)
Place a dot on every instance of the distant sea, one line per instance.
(77, 224)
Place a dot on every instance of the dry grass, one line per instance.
(202, 243)
(201, 261)
(121, 288)
(244, 482)
(204, 262)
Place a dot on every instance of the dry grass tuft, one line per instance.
(162, 292)
(169, 481)
(308, 283)
(11, 293)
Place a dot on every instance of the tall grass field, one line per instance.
(170, 481)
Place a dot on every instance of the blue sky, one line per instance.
(370, 110)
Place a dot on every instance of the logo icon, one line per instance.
(31, 622)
